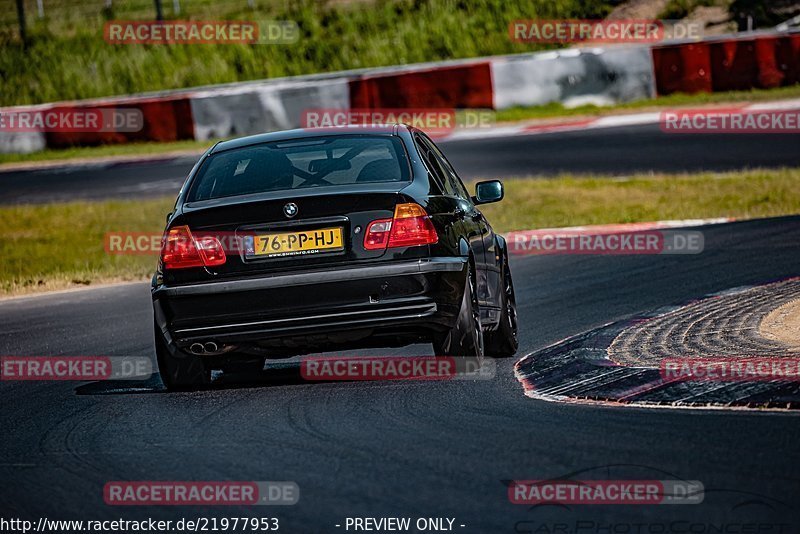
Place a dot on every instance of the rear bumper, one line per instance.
(397, 301)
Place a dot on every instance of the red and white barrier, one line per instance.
(600, 76)
(22, 142)
(268, 107)
(162, 119)
(749, 62)
(467, 85)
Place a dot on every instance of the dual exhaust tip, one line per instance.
(209, 347)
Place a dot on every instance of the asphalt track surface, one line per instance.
(412, 448)
(616, 151)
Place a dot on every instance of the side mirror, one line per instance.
(489, 191)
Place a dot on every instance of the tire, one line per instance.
(503, 342)
(466, 337)
(179, 371)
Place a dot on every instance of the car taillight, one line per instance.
(410, 227)
(377, 236)
(180, 250)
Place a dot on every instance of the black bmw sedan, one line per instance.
(302, 241)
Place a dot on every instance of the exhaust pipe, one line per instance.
(208, 348)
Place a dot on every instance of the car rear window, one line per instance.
(299, 164)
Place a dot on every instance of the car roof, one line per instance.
(303, 133)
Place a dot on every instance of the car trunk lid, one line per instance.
(304, 229)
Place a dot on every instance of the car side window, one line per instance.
(433, 166)
(451, 178)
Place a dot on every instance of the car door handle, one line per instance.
(459, 213)
(476, 216)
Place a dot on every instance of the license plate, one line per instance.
(298, 243)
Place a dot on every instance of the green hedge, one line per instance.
(67, 58)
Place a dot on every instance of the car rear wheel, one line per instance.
(503, 342)
(180, 371)
(466, 336)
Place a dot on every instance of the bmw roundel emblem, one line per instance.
(290, 209)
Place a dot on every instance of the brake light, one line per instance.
(410, 227)
(180, 250)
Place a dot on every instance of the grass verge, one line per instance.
(58, 246)
(572, 200)
(106, 151)
(67, 58)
